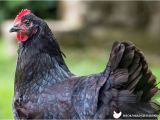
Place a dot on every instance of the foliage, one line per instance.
(43, 9)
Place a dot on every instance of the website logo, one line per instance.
(117, 115)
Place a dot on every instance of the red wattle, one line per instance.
(21, 36)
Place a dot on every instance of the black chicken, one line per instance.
(45, 88)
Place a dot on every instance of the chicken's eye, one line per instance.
(27, 23)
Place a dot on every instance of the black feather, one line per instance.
(46, 89)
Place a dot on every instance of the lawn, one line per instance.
(80, 61)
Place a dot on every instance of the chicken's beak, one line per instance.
(15, 28)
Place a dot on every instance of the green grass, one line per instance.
(80, 61)
(7, 68)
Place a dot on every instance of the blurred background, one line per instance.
(85, 31)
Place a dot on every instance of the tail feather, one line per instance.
(128, 56)
(116, 55)
(132, 78)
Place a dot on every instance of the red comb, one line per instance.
(21, 14)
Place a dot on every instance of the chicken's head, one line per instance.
(24, 25)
